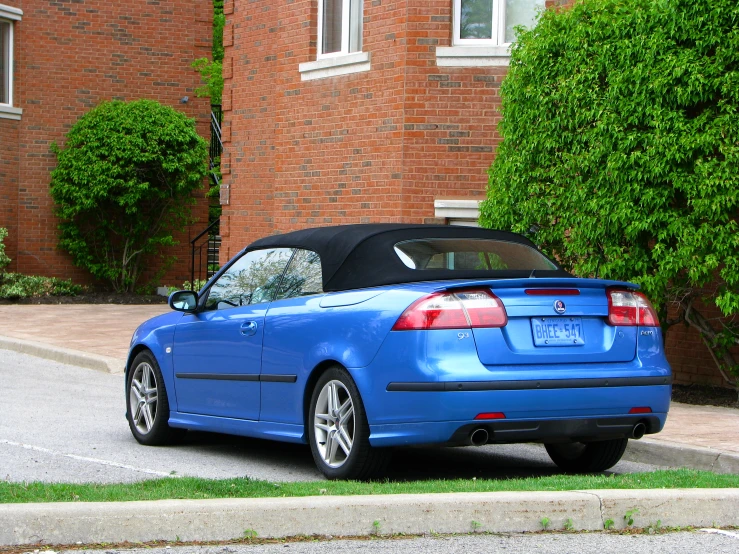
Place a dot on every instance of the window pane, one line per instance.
(332, 16)
(303, 276)
(520, 12)
(4, 62)
(355, 25)
(251, 280)
(467, 254)
(476, 19)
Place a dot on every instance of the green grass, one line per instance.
(190, 487)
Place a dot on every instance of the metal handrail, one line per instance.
(211, 232)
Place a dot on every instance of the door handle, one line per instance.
(248, 328)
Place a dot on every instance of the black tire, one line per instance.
(591, 457)
(154, 429)
(363, 461)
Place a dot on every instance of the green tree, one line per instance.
(4, 258)
(211, 71)
(621, 147)
(123, 184)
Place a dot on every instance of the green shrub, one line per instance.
(4, 259)
(123, 184)
(199, 284)
(212, 71)
(14, 286)
(621, 146)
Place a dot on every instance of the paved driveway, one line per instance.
(66, 424)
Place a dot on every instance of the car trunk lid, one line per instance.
(554, 321)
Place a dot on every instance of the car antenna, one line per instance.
(532, 273)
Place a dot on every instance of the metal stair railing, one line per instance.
(211, 246)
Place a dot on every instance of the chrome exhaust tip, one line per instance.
(638, 431)
(479, 437)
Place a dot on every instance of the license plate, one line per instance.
(557, 331)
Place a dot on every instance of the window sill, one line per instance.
(473, 56)
(8, 12)
(333, 67)
(457, 208)
(9, 112)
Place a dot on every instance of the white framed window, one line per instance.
(339, 27)
(492, 22)
(8, 17)
(339, 45)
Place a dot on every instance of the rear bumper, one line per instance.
(515, 431)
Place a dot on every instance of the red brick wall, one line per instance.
(9, 186)
(9, 175)
(71, 56)
(451, 116)
(318, 152)
(373, 146)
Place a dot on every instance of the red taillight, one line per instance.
(641, 410)
(461, 309)
(490, 415)
(630, 308)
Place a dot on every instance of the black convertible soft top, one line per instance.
(361, 255)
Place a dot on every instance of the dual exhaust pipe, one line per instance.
(480, 435)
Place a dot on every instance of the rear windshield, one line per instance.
(470, 254)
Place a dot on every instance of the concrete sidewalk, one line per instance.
(97, 336)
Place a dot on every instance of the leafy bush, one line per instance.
(14, 286)
(620, 148)
(212, 71)
(123, 184)
(199, 284)
(4, 259)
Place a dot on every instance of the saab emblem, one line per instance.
(559, 307)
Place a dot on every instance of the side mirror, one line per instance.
(183, 301)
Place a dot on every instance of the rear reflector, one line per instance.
(642, 410)
(630, 308)
(552, 292)
(490, 415)
(459, 309)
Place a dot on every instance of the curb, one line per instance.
(64, 355)
(671, 454)
(225, 519)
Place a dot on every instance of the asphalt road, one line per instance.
(575, 543)
(60, 423)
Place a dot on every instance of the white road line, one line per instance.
(721, 532)
(86, 459)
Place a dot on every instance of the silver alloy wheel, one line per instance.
(333, 423)
(143, 397)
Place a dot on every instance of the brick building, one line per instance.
(60, 58)
(347, 111)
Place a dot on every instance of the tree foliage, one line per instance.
(211, 71)
(621, 147)
(4, 258)
(123, 184)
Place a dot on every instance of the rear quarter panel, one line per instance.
(301, 335)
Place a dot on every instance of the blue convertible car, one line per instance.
(359, 338)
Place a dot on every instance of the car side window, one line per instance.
(303, 276)
(252, 279)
